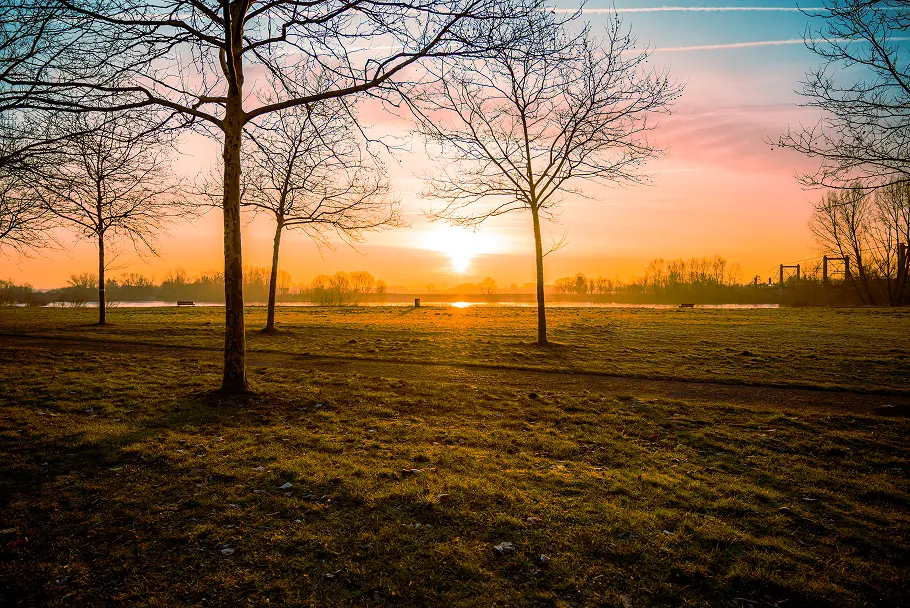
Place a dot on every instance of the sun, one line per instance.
(460, 260)
(460, 244)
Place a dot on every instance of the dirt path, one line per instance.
(515, 378)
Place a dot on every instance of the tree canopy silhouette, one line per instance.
(863, 90)
(107, 180)
(308, 168)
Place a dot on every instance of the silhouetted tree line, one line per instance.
(12, 294)
(339, 289)
(703, 279)
(717, 281)
(870, 226)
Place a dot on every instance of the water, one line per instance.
(459, 304)
(593, 305)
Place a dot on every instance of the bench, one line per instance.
(184, 303)
(687, 305)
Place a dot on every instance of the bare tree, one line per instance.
(863, 90)
(516, 130)
(308, 169)
(199, 60)
(107, 180)
(24, 222)
(488, 286)
(25, 35)
(342, 289)
(892, 218)
(28, 37)
(868, 228)
(363, 282)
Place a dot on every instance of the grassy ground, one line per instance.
(124, 480)
(860, 349)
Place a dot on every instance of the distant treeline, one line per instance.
(704, 280)
(716, 281)
(341, 288)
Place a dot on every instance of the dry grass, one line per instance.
(859, 349)
(123, 478)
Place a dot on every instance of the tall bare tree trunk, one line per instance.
(541, 307)
(102, 301)
(903, 265)
(234, 379)
(273, 279)
(863, 277)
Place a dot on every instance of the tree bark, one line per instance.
(234, 379)
(273, 279)
(102, 301)
(541, 307)
(863, 277)
(903, 262)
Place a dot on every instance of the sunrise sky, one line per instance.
(720, 190)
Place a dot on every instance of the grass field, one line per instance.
(650, 458)
(859, 349)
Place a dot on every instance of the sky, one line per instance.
(719, 190)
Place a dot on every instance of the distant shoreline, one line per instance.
(454, 303)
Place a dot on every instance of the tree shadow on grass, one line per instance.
(162, 512)
(274, 331)
(106, 520)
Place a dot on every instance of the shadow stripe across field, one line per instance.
(883, 401)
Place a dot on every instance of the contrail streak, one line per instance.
(731, 45)
(693, 9)
(758, 43)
